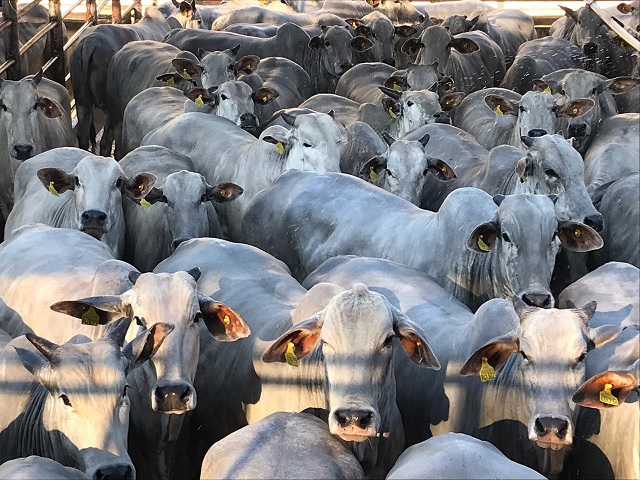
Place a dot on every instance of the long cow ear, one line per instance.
(145, 345)
(618, 384)
(413, 341)
(93, 310)
(56, 180)
(578, 237)
(224, 323)
(303, 337)
(495, 353)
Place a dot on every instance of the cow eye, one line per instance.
(594, 91)
(203, 198)
(118, 183)
(124, 393)
(409, 103)
(198, 317)
(554, 108)
(306, 145)
(230, 67)
(550, 172)
(522, 109)
(582, 357)
(223, 96)
(389, 172)
(77, 181)
(506, 238)
(4, 107)
(65, 400)
(388, 342)
(327, 44)
(139, 321)
(524, 355)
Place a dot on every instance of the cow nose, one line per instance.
(177, 242)
(345, 66)
(443, 117)
(114, 472)
(590, 48)
(595, 221)
(359, 418)
(248, 120)
(542, 300)
(548, 425)
(22, 151)
(173, 397)
(536, 132)
(578, 129)
(93, 218)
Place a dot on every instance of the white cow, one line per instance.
(71, 188)
(39, 468)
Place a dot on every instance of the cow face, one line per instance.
(185, 199)
(334, 49)
(170, 377)
(552, 166)
(87, 402)
(314, 143)
(220, 67)
(379, 30)
(355, 333)
(550, 347)
(22, 109)
(525, 238)
(187, 15)
(435, 45)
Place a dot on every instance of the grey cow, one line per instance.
(82, 191)
(39, 468)
(70, 402)
(305, 233)
(179, 207)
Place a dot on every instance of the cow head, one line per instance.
(550, 347)
(171, 372)
(87, 402)
(525, 237)
(97, 185)
(187, 14)
(435, 44)
(22, 110)
(355, 335)
(457, 24)
(334, 47)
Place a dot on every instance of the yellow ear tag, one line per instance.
(53, 190)
(199, 101)
(171, 82)
(185, 74)
(279, 148)
(90, 317)
(574, 111)
(497, 111)
(577, 233)
(486, 371)
(547, 90)
(290, 355)
(264, 99)
(607, 397)
(397, 87)
(523, 179)
(144, 203)
(391, 114)
(226, 320)
(373, 175)
(185, 13)
(481, 245)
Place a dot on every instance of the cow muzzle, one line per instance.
(590, 48)
(443, 117)
(536, 132)
(353, 424)
(551, 432)
(578, 130)
(22, 151)
(595, 221)
(114, 472)
(248, 121)
(344, 67)
(538, 299)
(175, 398)
(94, 223)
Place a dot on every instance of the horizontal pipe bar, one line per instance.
(617, 29)
(72, 8)
(27, 8)
(75, 36)
(50, 62)
(6, 65)
(6, 24)
(38, 35)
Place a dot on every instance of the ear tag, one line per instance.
(547, 90)
(52, 189)
(481, 245)
(144, 203)
(397, 87)
(171, 82)
(185, 74)
(226, 320)
(290, 355)
(486, 371)
(199, 101)
(223, 192)
(574, 111)
(418, 343)
(523, 179)
(607, 397)
(185, 13)
(373, 175)
(264, 99)
(391, 114)
(498, 111)
(577, 233)
(279, 148)
(90, 317)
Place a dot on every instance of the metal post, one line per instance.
(116, 11)
(59, 68)
(92, 12)
(12, 47)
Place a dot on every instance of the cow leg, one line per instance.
(85, 126)
(106, 142)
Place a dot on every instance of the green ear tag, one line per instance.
(486, 371)
(391, 114)
(498, 111)
(185, 75)
(52, 189)
(171, 82)
(90, 317)
(290, 355)
(373, 175)
(397, 87)
(607, 397)
(144, 203)
(279, 148)
(523, 179)
(199, 101)
(481, 245)
(547, 90)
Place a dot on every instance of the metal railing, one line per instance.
(56, 66)
(613, 25)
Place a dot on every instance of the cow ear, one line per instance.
(451, 100)
(405, 31)
(464, 45)
(575, 108)
(625, 8)
(264, 95)
(501, 105)
(139, 185)
(483, 238)
(604, 334)
(361, 44)
(315, 43)
(495, 353)
(186, 68)
(413, 341)
(49, 108)
(304, 336)
(223, 192)
(372, 169)
(397, 83)
(145, 345)
(412, 47)
(619, 85)
(363, 30)
(354, 22)
(200, 96)
(578, 237)
(224, 324)
(440, 169)
(55, 180)
(392, 107)
(155, 195)
(570, 13)
(117, 331)
(99, 310)
(171, 79)
(621, 384)
(524, 167)
(247, 65)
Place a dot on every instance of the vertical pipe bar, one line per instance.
(92, 12)
(12, 45)
(116, 11)
(59, 68)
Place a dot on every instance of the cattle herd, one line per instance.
(324, 239)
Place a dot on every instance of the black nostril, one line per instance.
(85, 216)
(115, 472)
(595, 221)
(562, 430)
(185, 393)
(93, 218)
(22, 152)
(578, 129)
(537, 132)
(342, 420)
(364, 422)
(102, 217)
(590, 48)
(537, 300)
(540, 429)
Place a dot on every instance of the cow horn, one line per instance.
(425, 139)
(289, 119)
(195, 273)
(528, 141)
(45, 347)
(391, 93)
(134, 276)
(332, 113)
(117, 331)
(388, 138)
(497, 199)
